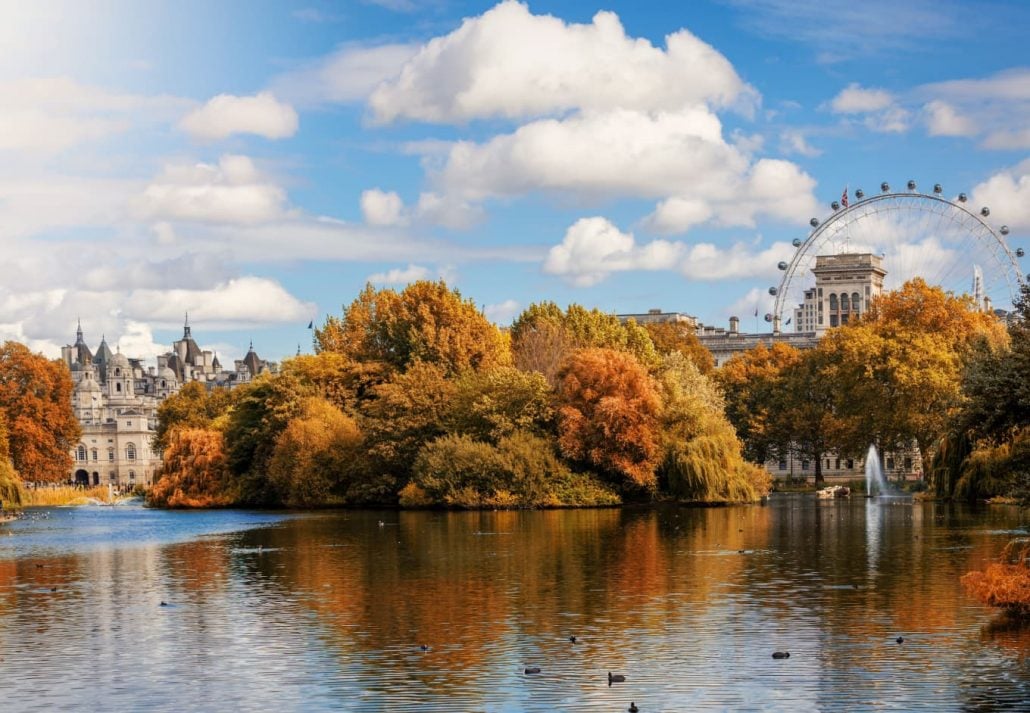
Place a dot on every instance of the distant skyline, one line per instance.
(256, 163)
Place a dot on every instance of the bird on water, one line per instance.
(615, 678)
(633, 707)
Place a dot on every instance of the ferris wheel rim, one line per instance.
(839, 215)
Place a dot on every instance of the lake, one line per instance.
(308, 611)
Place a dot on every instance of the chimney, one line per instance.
(734, 325)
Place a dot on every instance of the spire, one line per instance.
(251, 345)
(298, 348)
(78, 330)
(186, 327)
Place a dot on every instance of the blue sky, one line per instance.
(255, 163)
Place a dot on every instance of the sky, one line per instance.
(256, 163)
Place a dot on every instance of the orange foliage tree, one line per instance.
(194, 473)
(36, 395)
(608, 414)
(1004, 584)
(670, 337)
(427, 321)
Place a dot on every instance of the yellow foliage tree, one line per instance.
(11, 491)
(1004, 584)
(313, 454)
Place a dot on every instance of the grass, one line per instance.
(63, 495)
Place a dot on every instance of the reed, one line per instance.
(63, 495)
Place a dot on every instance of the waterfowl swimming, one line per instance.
(164, 604)
(633, 707)
(425, 647)
(615, 678)
(900, 639)
(532, 669)
(781, 654)
(572, 639)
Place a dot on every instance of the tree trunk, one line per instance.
(819, 479)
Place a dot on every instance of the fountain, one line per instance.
(874, 474)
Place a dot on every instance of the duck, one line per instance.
(615, 678)
(781, 654)
(532, 669)
(572, 639)
(900, 639)
(633, 707)
(425, 647)
(164, 603)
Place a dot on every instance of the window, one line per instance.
(833, 320)
(113, 476)
(844, 302)
(110, 454)
(94, 455)
(80, 453)
(838, 464)
(844, 318)
(851, 464)
(856, 300)
(783, 464)
(908, 462)
(132, 475)
(833, 302)
(117, 372)
(804, 465)
(130, 451)
(162, 383)
(128, 424)
(890, 463)
(118, 387)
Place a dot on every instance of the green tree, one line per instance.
(488, 405)
(36, 395)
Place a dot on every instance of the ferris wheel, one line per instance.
(916, 234)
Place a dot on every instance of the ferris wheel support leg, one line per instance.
(776, 326)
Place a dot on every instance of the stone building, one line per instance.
(115, 399)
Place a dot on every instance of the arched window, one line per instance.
(833, 303)
(130, 451)
(162, 383)
(118, 386)
(80, 453)
(856, 301)
(117, 372)
(844, 302)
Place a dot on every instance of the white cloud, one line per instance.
(487, 68)
(381, 208)
(400, 276)
(347, 75)
(593, 248)
(239, 303)
(943, 120)
(234, 191)
(448, 211)
(503, 313)
(855, 99)
(794, 141)
(225, 115)
(744, 308)
(1007, 193)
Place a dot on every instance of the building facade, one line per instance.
(115, 399)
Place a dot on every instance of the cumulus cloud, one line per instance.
(400, 276)
(382, 208)
(794, 141)
(226, 114)
(239, 303)
(1008, 195)
(593, 248)
(855, 99)
(233, 191)
(486, 68)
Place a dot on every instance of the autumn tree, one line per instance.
(427, 322)
(544, 335)
(752, 382)
(804, 406)
(313, 454)
(345, 383)
(193, 406)
(194, 473)
(608, 415)
(11, 490)
(489, 405)
(35, 394)
(670, 337)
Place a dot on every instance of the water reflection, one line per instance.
(327, 611)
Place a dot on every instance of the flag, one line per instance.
(788, 321)
(311, 324)
(756, 311)
(844, 197)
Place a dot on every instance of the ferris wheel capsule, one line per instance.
(796, 242)
(962, 198)
(937, 189)
(985, 211)
(835, 205)
(814, 222)
(782, 265)
(773, 291)
(911, 185)
(885, 187)
(768, 316)
(859, 193)
(1020, 252)
(1004, 230)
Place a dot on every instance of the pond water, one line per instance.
(328, 610)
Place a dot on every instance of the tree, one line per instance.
(194, 406)
(752, 382)
(11, 491)
(804, 407)
(194, 473)
(608, 415)
(426, 322)
(669, 337)
(489, 405)
(35, 394)
(313, 454)
(345, 383)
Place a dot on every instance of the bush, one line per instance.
(1004, 584)
(195, 473)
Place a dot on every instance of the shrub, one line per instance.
(1004, 584)
(195, 473)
